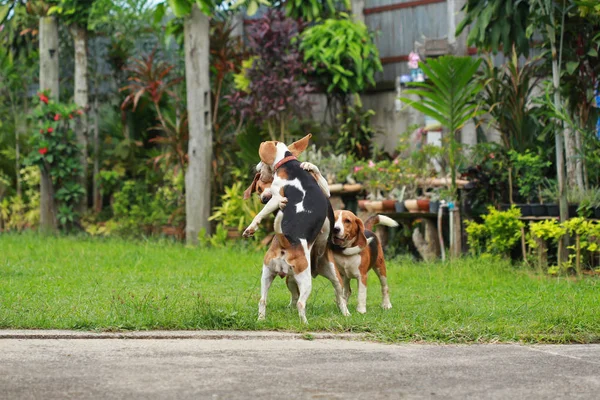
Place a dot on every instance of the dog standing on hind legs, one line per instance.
(357, 250)
(302, 229)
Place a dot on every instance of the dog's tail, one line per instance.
(379, 220)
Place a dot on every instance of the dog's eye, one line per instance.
(347, 221)
(259, 190)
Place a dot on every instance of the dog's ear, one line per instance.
(299, 146)
(267, 152)
(248, 192)
(361, 239)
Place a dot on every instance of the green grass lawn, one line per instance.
(92, 284)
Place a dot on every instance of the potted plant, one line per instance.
(575, 197)
(434, 201)
(589, 205)
(370, 174)
(410, 197)
(549, 195)
(529, 168)
(333, 167)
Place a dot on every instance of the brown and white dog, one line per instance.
(303, 226)
(357, 250)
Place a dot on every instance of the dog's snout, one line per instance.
(336, 229)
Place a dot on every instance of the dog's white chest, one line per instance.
(348, 265)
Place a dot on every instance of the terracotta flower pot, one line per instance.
(423, 204)
(389, 205)
(411, 205)
(352, 187)
(361, 204)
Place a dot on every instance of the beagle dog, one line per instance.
(356, 250)
(303, 226)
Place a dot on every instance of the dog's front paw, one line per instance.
(282, 203)
(249, 231)
(309, 166)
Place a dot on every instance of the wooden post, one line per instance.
(523, 247)
(81, 98)
(577, 255)
(198, 174)
(542, 254)
(456, 245)
(48, 36)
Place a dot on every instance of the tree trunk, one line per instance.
(48, 37)
(358, 7)
(81, 98)
(560, 162)
(571, 158)
(197, 178)
(579, 161)
(96, 178)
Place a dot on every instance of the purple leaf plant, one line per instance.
(278, 89)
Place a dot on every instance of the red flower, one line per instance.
(57, 117)
(42, 131)
(43, 150)
(79, 112)
(70, 116)
(43, 98)
(50, 130)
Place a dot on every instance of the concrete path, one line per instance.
(268, 365)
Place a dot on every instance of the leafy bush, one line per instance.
(356, 133)
(56, 153)
(529, 169)
(234, 211)
(311, 10)
(498, 233)
(19, 213)
(343, 55)
(140, 209)
(272, 87)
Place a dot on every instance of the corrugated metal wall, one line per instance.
(398, 30)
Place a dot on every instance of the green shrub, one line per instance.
(498, 233)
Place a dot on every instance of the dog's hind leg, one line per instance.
(265, 284)
(362, 294)
(298, 257)
(385, 291)
(293, 287)
(304, 281)
(326, 267)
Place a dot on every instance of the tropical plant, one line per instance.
(497, 23)
(449, 97)
(344, 58)
(311, 10)
(356, 132)
(507, 98)
(278, 91)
